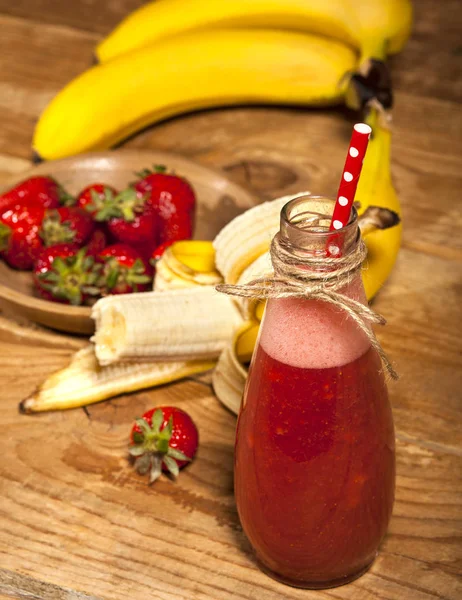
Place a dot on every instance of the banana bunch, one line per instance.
(174, 56)
(153, 338)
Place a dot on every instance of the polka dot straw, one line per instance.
(350, 176)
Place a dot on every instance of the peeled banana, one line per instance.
(189, 324)
(374, 27)
(196, 70)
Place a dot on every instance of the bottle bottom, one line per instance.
(314, 585)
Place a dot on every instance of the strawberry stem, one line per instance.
(5, 233)
(151, 447)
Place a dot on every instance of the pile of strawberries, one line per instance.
(100, 242)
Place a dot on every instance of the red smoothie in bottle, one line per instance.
(314, 461)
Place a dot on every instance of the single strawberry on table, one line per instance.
(43, 190)
(65, 273)
(173, 198)
(164, 439)
(124, 270)
(20, 241)
(94, 197)
(66, 225)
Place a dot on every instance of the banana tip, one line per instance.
(25, 407)
(36, 158)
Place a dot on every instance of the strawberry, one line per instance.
(131, 220)
(97, 242)
(164, 439)
(41, 190)
(95, 196)
(157, 252)
(66, 225)
(20, 241)
(65, 273)
(125, 271)
(173, 198)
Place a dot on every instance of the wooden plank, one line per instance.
(21, 587)
(430, 64)
(50, 57)
(423, 338)
(93, 17)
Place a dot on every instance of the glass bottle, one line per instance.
(315, 459)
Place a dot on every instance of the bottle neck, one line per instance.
(304, 229)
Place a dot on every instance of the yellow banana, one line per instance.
(109, 102)
(385, 25)
(166, 18)
(373, 27)
(197, 255)
(376, 188)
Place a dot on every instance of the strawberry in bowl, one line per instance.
(124, 270)
(130, 219)
(66, 273)
(66, 225)
(172, 198)
(20, 240)
(42, 190)
(94, 197)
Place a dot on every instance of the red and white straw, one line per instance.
(350, 176)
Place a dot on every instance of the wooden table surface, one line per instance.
(75, 520)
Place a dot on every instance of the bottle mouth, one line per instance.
(305, 223)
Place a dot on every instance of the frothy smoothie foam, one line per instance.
(312, 334)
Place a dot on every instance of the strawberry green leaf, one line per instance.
(157, 420)
(145, 429)
(111, 278)
(136, 450)
(168, 429)
(156, 469)
(5, 233)
(177, 454)
(138, 437)
(143, 464)
(171, 465)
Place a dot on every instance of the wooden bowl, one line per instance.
(219, 201)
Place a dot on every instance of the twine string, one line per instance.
(319, 278)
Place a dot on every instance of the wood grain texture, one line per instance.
(76, 522)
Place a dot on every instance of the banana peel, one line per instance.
(85, 382)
